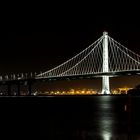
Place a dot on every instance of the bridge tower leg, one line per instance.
(9, 89)
(105, 79)
(18, 89)
(29, 88)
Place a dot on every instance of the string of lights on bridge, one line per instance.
(18, 76)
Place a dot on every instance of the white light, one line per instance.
(106, 136)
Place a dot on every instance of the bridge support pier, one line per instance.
(9, 89)
(18, 89)
(105, 79)
(105, 85)
(29, 88)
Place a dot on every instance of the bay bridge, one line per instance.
(104, 58)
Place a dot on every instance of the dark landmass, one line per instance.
(135, 91)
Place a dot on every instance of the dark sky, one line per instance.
(38, 50)
(40, 39)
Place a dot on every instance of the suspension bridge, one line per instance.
(103, 58)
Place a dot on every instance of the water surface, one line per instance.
(71, 117)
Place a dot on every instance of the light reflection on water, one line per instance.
(93, 118)
(106, 120)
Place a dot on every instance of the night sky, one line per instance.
(38, 40)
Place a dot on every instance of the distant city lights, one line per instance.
(122, 90)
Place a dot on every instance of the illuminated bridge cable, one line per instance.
(68, 64)
(80, 62)
(90, 60)
(125, 58)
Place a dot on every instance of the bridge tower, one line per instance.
(105, 79)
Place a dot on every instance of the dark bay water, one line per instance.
(71, 117)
